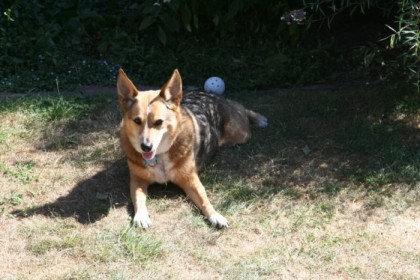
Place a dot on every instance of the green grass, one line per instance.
(392, 158)
(131, 244)
(41, 247)
(140, 247)
(51, 109)
(51, 114)
(339, 210)
(22, 172)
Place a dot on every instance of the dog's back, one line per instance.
(218, 121)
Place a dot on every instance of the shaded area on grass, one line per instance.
(317, 143)
(322, 142)
(91, 198)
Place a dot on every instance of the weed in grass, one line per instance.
(57, 109)
(139, 247)
(16, 198)
(22, 173)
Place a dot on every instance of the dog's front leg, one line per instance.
(138, 191)
(196, 192)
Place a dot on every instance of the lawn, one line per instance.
(330, 190)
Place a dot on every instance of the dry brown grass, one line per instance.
(65, 207)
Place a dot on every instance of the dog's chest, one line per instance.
(160, 173)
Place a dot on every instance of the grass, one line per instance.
(23, 172)
(329, 190)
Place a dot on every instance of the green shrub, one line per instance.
(251, 43)
(408, 37)
(400, 58)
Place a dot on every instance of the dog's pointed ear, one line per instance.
(172, 90)
(126, 90)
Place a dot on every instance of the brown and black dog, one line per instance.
(168, 135)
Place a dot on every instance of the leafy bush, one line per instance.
(408, 36)
(403, 45)
(251, 43)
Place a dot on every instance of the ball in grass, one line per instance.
(214, 85)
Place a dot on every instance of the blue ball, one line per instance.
(214, 85)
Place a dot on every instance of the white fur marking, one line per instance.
(142, 219)
(218, 221)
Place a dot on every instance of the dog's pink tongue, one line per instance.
(148, 155)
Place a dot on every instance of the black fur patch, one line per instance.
(210, 112)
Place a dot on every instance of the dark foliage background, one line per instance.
(250, 43)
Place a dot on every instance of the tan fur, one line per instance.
(156, 126)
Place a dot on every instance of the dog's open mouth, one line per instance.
(148, 155)
(149, 159)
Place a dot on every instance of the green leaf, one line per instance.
(146, 22)
(170, 23)
(186, 17)
(162, 36)
(195, 21)
(149, 8)
(234, 9)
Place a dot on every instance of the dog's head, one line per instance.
(150, 117)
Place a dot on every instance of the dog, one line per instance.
(168, 136)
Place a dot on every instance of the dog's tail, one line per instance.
(257, 119)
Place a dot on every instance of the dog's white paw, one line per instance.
(218, 221)
(142, 219)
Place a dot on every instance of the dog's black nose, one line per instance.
(146, 147)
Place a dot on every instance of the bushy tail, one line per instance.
(257, 119)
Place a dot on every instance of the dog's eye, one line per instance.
(157, 123)
(137, 121)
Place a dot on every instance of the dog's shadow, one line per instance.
(92, 199)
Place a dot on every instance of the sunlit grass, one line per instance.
(343, 207)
